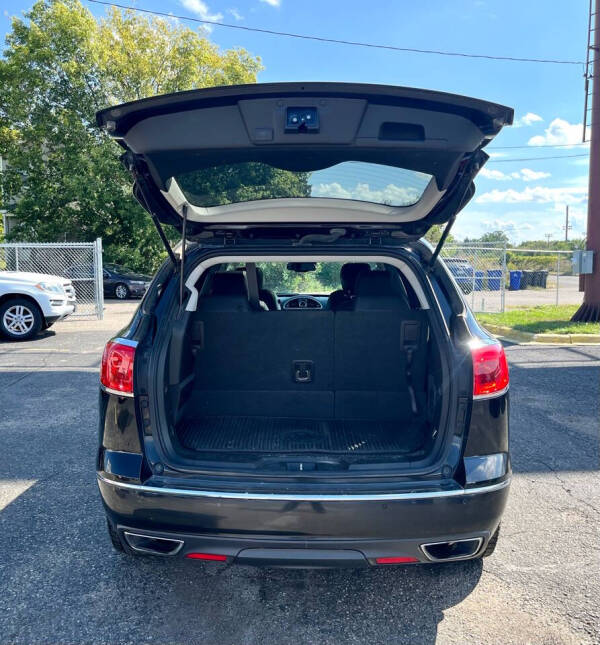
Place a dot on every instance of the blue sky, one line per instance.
(525, 198)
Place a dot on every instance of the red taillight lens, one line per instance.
(490, 370)
(117, 366)
(396, 560)
(206, 556)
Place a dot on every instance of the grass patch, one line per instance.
(545, 319)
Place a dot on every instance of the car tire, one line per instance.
(491, 545)
(20, 319)
(121, 291)
(114, 537)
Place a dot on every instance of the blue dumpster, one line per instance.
(494, 278)
(478, 280)
(515, 280)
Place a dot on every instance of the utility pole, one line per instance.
(590, 309)
(548, 237)
(567, 225)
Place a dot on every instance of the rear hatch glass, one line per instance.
(354, 180)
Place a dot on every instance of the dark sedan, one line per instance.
(118, 281)
(123, 283)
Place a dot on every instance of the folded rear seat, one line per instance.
(363, 364)
(380, 352)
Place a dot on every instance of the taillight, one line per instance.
(490, 370)
(116, 373)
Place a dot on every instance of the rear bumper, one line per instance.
(305, 530)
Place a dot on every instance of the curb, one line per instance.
(516, 336)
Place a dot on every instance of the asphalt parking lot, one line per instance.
(63, 583)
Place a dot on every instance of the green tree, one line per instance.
(434, 234)
(242, 182)
(494, 237)
(64, 180)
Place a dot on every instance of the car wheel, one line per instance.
(114, 537)
(20, 319)
(491, 545)
(121, 291)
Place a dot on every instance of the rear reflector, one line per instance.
(396, 560)
(206, 556)
(117, 366)
(490, 370)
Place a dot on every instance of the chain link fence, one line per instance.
(80, 262)
(495, 279)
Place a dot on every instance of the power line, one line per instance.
(338, 41)
(534, 158)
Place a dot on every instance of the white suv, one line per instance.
(30, 302)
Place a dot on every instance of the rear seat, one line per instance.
(246, 360)
(376, 346)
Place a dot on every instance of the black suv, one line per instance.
(303, 383)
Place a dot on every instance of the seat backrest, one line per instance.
(381, 349)
(246, 363)
(380, 291)
(226, 291)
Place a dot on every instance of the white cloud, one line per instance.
(528, 119)
(235, 13)
(525, 174)
(532, 175)
(273, 3)
(201, 9)
(521, 222)
(559, 132)
(497, 175)
(494, 155)
(506, 225)
(535, 194)
(391, 194)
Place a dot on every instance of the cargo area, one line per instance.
(358, 380)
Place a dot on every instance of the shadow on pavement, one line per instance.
(62, 582)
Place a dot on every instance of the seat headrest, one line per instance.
(228, 283)
(380, 290)
(349, 274)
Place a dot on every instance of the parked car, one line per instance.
(30, 302)
(122, 283)
(463, 273)
(241, 424)
(118, 281)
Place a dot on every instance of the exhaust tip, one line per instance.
(152, 545)
(452, 550)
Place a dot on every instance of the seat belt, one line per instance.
(252, 286)
(410, 332)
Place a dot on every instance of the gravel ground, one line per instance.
(62, 583)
